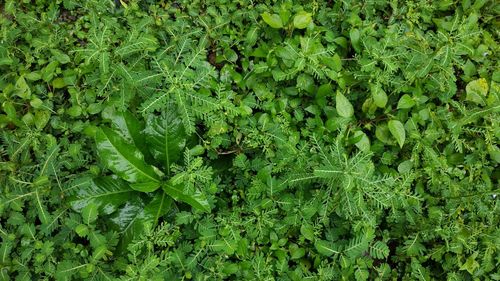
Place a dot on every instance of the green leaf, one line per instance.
(105, 192)
(159, 206)
(477, 91)
(325, 248)
(296, 252)
(126, 125)
(196, 200)
(379, 250)
(379, 96)
(130, 222)
(307, 231)
(398, 131)
(406, 102)
(166, 137)
(364, 143)
(302, 19)
(344, 106)
(89, 213)
(273, 20)
(124, 159)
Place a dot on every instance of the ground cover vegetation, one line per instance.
(249, 140)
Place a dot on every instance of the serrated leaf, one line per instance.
(398, 131)
(273, 20)
(124, 159)
(344, 106)
(166, 137)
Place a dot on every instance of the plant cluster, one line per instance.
(249, 140)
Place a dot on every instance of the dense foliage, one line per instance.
(249, 140)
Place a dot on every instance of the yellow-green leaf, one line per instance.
(273, 20)
(302, 19)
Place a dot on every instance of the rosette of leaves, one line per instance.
(146, 173)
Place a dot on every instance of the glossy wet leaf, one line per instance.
(197, 200)
(128, 126)
(106, 192)
(165, 137)
(124, 159)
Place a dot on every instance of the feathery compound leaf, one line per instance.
(379, 250)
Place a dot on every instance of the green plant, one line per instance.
(128, 197)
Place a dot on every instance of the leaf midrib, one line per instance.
(123, 156)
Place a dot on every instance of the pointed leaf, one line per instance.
(137, 216)
(379, 96)
(196, 200)
(129, 221)
(272, 20)
(159, 206)
(89, 213)
(398, 131)
(128, 126)
(344, 106)
(123, 158)
(325, 248)
(106, 192)
(166, 137)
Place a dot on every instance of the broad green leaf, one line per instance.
(273, 20)
(344, 106)
(166, 137)
(337, 62)
(89, 213)
(130, 222)
(196, 200)
(124, 159)
(477, 91)
(302, 19)
(22, 88)
(106, 192)
(296, 252)
(325, 248)
(379, 96)
(364, 143)
(383, 134)
(398, 131)
(307, 231)
(159, 206)
(406, 101)
(126, 125)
